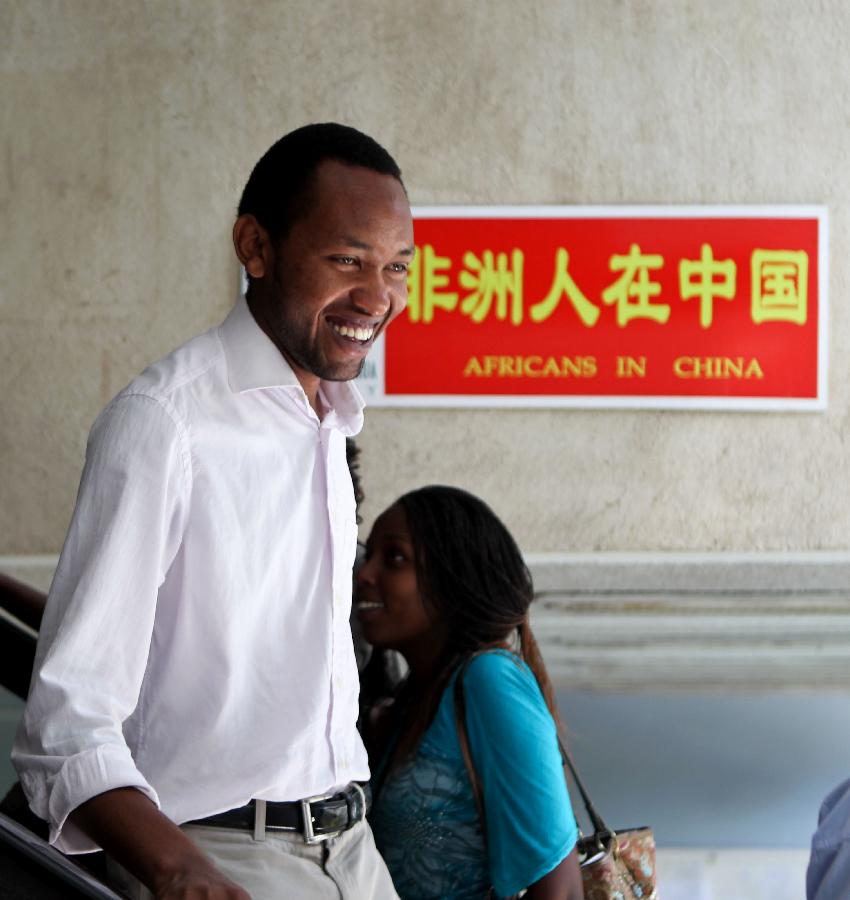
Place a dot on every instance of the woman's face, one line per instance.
(388, 602)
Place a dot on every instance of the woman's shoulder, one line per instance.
(500, 694)
(497, 664)
(494, 676)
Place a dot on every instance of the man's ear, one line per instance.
(253, 246)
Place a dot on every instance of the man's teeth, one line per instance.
(365, 604)
(359, 334)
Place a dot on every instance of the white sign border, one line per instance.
(371, 383)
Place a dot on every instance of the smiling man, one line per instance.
(194, 704)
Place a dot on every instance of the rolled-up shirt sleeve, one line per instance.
(95, 637)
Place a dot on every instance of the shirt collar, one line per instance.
(255, 363)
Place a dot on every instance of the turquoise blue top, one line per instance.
(425, 820)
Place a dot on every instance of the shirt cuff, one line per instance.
(82, 777)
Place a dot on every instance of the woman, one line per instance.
(444, 583)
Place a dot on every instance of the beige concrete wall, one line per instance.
(129, 128)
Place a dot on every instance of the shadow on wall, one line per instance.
(711, 770)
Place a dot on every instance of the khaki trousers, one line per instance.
(347, 867)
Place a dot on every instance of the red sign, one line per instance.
(611, 306)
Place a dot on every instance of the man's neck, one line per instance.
(308, 381)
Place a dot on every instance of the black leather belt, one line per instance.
(317, 818)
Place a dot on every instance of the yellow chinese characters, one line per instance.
(427, 278)
(491, 285)
(779, 286)
(633, 290)
(563, 285)
(491, 278)
(707, 278)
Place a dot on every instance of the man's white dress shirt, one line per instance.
(196, 642)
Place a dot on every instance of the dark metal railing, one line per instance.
(24, 853)
(21, 608)
(25, 857)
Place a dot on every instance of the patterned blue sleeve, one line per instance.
(530, 823)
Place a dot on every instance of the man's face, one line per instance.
(339, 277)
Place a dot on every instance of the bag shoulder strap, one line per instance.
(463, 738)
(592, 814)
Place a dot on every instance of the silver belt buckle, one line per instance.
(306, 813)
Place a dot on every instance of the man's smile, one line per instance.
(360, 333)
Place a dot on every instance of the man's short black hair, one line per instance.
(278, 190)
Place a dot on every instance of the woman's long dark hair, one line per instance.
(470, 570)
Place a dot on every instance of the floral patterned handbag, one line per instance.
(614, 865)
